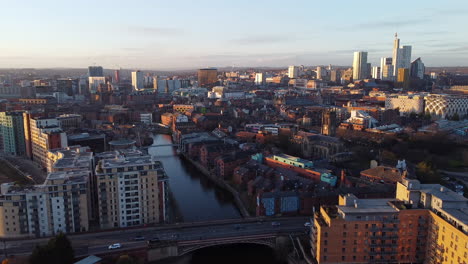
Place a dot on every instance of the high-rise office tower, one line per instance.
(376, 72)
(417, 69)
(360, 65)
(138, 81)
(335, 76)
(207, 76)
(403, 80)
(260, 78)
(117, 76)
(68, 86)
(12, 130)
(386, 69)
(401, 56)
(95, 71)
(293, 72)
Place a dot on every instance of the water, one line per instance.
(228, 254)
(196, 198)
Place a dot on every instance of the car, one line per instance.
(275, 223)
(307, 224)
(139, 238)
(115, 246)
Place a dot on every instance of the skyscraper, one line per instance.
(293, 71)
(360, 65)
(417, 69)
(117, 76)
(207, 76)
(376, 72)
(95, 71)
(386, 69)
(401, 56)
(138, 81)
(403, 80)
(260, 78)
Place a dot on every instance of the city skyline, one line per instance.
(247, 34)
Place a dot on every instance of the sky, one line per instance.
(189, 34)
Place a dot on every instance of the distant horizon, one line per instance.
(194, 34)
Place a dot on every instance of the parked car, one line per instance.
(115, 246)
(307, 224)
(275, 223)
(139, 238)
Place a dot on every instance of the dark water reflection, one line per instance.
(196, 197)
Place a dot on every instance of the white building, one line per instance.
(293, 71)
(386, 69)
(138, 81)
(405, 103)
(260, 78)
(442, 106)
(95, 82)
(376, 72)
(360, 65)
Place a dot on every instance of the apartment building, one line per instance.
(60, 204)
(426, 223)
(42, 135)
(131, 190)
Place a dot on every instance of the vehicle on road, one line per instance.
(175, 236)
(307, 224)
(139, 238)
(115, 246)
(275, 223)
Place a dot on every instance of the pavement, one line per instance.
(98, 243)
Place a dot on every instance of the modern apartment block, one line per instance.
(131, 191)
(42, 135)
(60, 204)
(12, 131)
(425, 223)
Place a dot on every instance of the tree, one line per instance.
(57, 251)
(427, 173)
(455, 117)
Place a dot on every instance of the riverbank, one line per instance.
(222, 184)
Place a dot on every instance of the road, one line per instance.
(96, 243)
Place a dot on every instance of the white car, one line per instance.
(115, 246)
(307, 224)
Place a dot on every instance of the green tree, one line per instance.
(57, 251)
(427, 173)
(125, 259)
(455, 117)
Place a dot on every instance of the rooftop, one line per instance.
(121, 161)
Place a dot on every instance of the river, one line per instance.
(195, 197)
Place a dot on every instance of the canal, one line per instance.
(195, 197)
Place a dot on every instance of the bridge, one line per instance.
(176, 239)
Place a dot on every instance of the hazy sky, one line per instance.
(185, 34)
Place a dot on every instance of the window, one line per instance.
(343, 250)
(343, 258)
(356, 226)
(344, 242)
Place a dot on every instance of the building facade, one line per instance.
(425, 223)
(131, 191)
(60, 204)
(406, 104)
(207, 76)
(442, 106)
(360, 65)
(138, 81)
(417, 69)
(12, 129)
